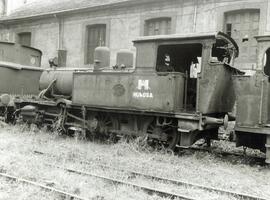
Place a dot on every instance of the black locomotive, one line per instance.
(180, 90)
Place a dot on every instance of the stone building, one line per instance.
(72, 29)
(8, 6)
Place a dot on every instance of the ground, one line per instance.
(20, 149)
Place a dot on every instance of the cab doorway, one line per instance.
(186, 59)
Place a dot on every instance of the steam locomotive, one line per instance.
(180, 90)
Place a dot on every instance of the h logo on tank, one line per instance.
(143, 85)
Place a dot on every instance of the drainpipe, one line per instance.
(62, 53)
(195, 15)
(3, 8)
(61, 32)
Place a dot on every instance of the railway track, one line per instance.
(63, 194)
(156, 178)
(147, 189)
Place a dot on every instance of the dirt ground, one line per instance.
(19, 156)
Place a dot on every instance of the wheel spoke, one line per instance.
(106, 118)
(171, 132)
(152, 126)
(108, 122)
(165, 130)
(150, 131)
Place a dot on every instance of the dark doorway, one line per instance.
(184, 58)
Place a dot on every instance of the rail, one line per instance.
(44, 187)
(157, 178)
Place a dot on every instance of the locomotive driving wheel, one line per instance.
(102, 125)
(162, 135)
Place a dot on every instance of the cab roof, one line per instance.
(190, 36)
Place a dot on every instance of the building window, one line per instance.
(24, 38)
(229, 29)
(96, 36)
(242, 26)
(158, 26)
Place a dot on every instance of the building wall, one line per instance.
(12, 5)
(125, 24)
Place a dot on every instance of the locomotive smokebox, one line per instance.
(101, 58)
(124, 58)
(63, 85)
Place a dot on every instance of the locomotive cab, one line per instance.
(186, 59)
(202, 62)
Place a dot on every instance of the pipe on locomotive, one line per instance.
(216, 121)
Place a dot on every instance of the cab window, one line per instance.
(222, 52)
(179, 58)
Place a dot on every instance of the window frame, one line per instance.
(152, 16)
(18, 37)
(221, 12)
(160, 45)
(84, 40)
(154, 21)
(98, 27)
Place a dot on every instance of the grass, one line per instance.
(17, 146)
(12, 191)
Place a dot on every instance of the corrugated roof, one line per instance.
(45, 7)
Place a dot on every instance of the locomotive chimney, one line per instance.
(62, 58)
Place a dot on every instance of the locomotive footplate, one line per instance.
(255, 129)
(193, 127)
